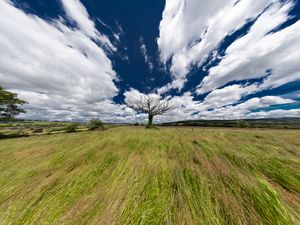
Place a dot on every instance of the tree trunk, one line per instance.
(150, 120)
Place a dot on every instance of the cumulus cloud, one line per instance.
(227, 96)
(245, 109)
(62, 72)
(204, 110)
(219, 104)
(53, 107)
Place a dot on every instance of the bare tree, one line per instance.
(153, 106)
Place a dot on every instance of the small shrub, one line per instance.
(242, 124)
(37, 130)
(71, 127)
(136, 124)
(95, 124)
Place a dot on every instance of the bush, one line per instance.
(71, 127)
(38, 130)
(95, 124)
(136, 124)
(242, 124)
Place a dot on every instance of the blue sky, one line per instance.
(74, 60)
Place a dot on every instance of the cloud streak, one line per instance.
(192, 30)
(259, 51)
(77, 13)
(145, 55)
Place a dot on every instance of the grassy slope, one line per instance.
(138, 176)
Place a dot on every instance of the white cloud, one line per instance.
(61, 72)
(227, 96)
(77, 13)
(245, 109)
(64, 72)
(278, 113)
(219, 104)
(147, 58)
(132, 95)
(191, 30)
(252, 55)
(52, 107)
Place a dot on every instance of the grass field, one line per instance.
(131, 175)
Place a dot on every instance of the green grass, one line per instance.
(131, 175)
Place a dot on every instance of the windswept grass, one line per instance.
(164, 176)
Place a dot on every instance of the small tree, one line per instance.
(95, 124)
(71, 128)
(9, 104)
(153, 106)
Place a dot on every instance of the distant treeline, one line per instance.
(289, 123)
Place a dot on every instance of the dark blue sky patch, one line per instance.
(138, 19)
(46, 9)
(278, 91)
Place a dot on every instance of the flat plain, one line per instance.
(132, 175)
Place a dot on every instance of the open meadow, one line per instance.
(132, 175)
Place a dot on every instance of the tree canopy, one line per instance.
(10, 104)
